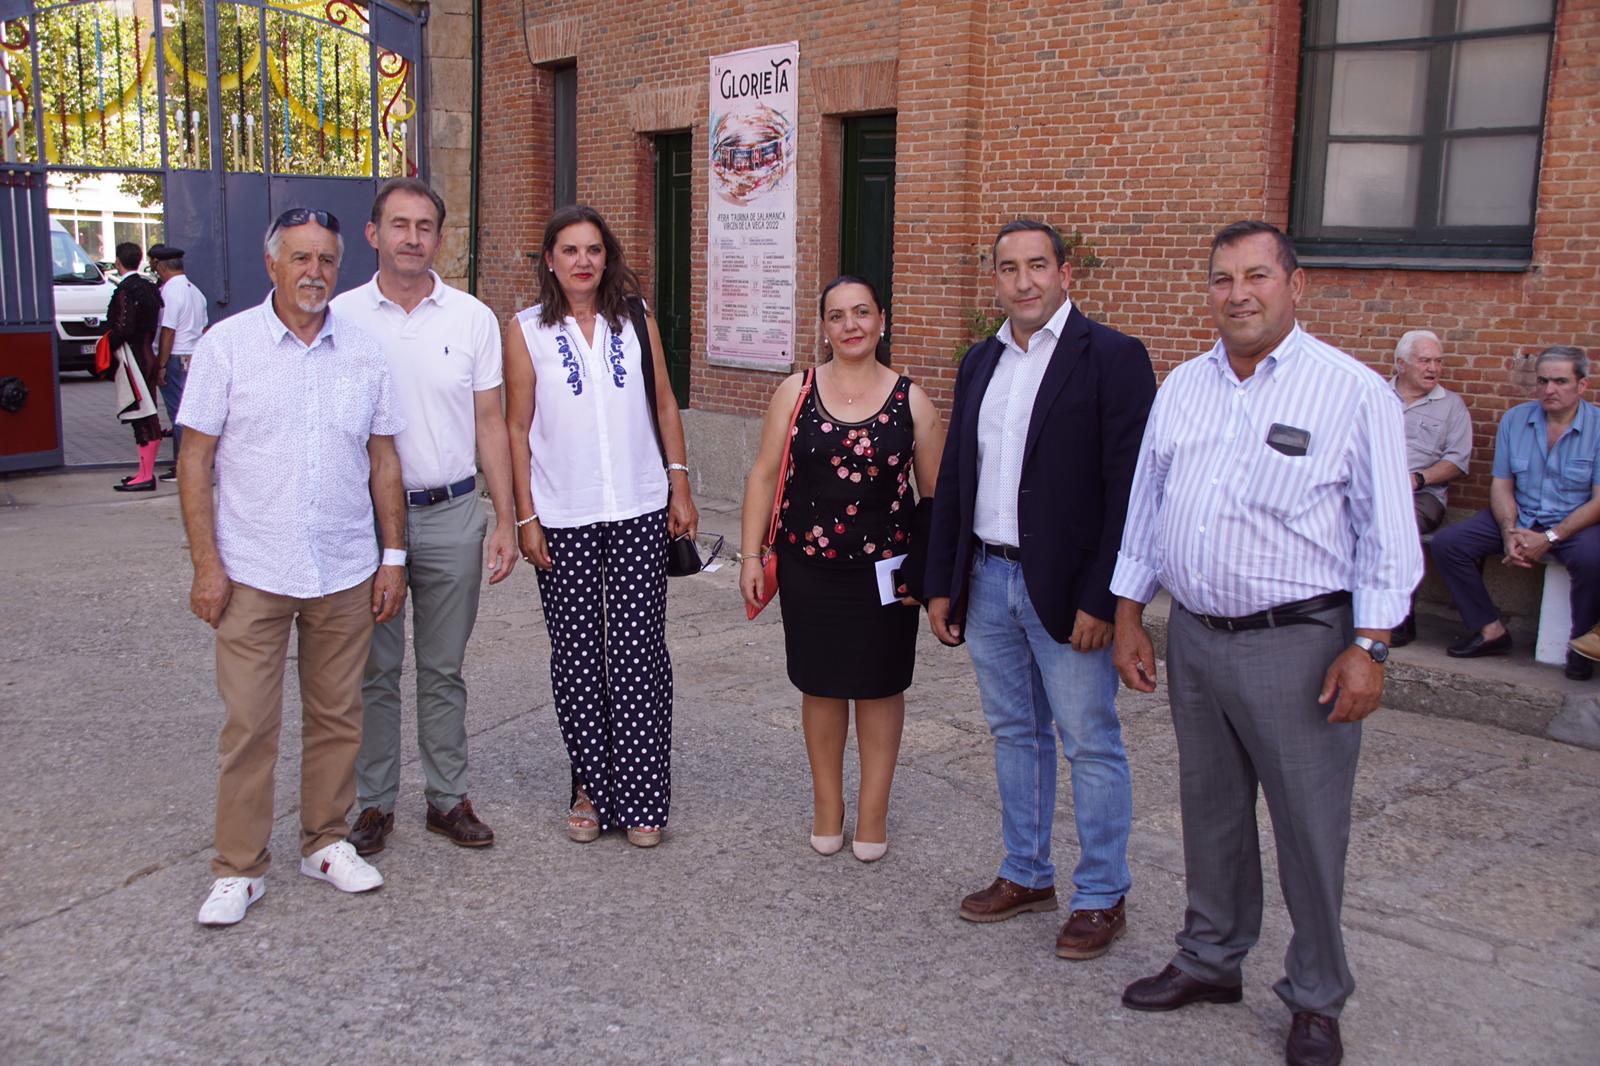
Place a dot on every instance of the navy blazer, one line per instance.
(1077, 468)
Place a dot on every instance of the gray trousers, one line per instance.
(444, 571)
(1245, 710)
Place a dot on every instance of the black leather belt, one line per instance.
(1297, 613)
(1003, 551)
(429, 497)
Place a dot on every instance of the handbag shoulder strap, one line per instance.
(783, 467)
(647, 363)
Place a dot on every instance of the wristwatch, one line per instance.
(1551, 535)
(1420, 478)
(1375, 648)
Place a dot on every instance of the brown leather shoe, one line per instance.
(1172, 988)
(1313, 1040)
(461, 825)
(1088, 934)
(1006, 899)
(372, 827)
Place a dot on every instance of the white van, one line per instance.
(82, 295)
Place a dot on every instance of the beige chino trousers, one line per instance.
(252, 645)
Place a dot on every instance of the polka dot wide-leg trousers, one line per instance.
(605, 602)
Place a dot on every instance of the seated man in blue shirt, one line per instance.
(1544, 498)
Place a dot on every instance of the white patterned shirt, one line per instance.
(294, 510)
(1230, 526)
(1003, 421)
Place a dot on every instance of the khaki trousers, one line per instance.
(252, 644)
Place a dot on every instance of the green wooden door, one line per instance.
(674, 168)
(866, 216)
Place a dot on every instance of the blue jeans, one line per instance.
(172, 396)
(1029, 682)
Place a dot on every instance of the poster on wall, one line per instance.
(750, 221)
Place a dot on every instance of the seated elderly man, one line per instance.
(1438, 437)
(1544, 498)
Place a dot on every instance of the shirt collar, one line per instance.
(1278, 361)
(375, 294)
(277, 330)
(1581, 419)
(1435, 393)
(1053, 327)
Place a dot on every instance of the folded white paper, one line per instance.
(888, 578)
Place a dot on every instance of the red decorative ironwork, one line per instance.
(20, 113)
(19, 26)
(338, 12)
(394, 65)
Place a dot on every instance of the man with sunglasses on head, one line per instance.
(443, 349)
(290, 410)
(1544, 499)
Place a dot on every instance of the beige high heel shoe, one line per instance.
(829, 845)
(866, 851)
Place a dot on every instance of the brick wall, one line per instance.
(1145, 126)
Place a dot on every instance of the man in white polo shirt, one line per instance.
(443, 348)
(183, 320)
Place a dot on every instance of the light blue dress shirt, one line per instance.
(1550, 483)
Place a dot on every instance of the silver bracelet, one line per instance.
(524, 521)
(676, 466)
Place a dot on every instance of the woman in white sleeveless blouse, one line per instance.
(594, 510)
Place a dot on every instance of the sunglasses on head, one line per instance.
(299, 216)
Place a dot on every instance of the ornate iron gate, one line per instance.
(236, 109)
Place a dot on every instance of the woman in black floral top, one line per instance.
(865, 438)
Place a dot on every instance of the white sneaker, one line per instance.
(230, 898)
(340, 866)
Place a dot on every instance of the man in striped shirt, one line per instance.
(1271, 501)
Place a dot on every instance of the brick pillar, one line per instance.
(515, 177)
(937, 182)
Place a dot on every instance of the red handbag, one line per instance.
(769, 555)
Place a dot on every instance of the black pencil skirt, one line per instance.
(841, 642)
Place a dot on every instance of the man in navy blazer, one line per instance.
(1027, 519)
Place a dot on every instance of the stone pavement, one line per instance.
(90, 432)
(1473, 909)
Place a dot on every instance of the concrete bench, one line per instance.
(1555, 610)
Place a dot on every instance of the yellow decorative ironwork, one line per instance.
(121, 87)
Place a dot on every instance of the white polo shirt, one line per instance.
(183, 310)
(439, 355)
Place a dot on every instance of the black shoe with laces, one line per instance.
(1313, 1040)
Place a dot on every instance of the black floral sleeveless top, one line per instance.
(847, 498)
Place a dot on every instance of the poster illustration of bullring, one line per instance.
(750, 226)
